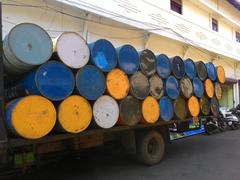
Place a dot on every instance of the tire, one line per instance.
(150, 148)
(208, 130)
(222, 126)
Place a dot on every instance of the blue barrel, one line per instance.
(128, 59)
(53, 80)
(198, 88)
(166, 108)
(103, 55)
(163, 66)
(190, 68)
(90, 82)
(177, 67)
(26, 46)
(211, 71)
(172, 88)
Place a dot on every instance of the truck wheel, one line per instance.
(150, 147)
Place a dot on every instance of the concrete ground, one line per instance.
(201, 157)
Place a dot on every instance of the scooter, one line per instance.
(229, 117)
(236, 120)
(214, 124)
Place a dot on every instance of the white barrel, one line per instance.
(105, 112)
(72, 49)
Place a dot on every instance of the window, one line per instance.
(214, 25)
(238, 37)
(176, 5)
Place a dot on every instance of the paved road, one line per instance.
(196, 158)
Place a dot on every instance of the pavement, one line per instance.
(200, 157)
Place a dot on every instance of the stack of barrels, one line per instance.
(67, 85)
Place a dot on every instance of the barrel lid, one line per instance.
(209, 88)
(180, 108)
(156, 86)
(54, 80)
(147, 62)
(72, 49)
(201, 70)
(177, 67)
(163, 66)
(214, 106)
(211, 71)
(166, 108)
(103, 55)
(221, 74)
(193, 106)
(186, 87)
(117, 84)
(90, 82)
(30, 43)
(105, 112)
(74, 114)
(150, 110)
(172, 87)
(128, 59)
(198, 88)
(190, 68)
(204, 105)
(218, 90)
(140, 86)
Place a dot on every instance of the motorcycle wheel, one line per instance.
(208, 130)
(222, 126)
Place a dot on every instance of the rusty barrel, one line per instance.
(147, 62)
(166, 108)
(193, 106)
(117, 84)
(139, 85)
(190, 68)
(214, 106)
(130, 111)
(172, 87)
(150, 110)
(156, 86)
(177, 67)
(201, 70)
(186, 87)
(163, 66)
(211, 71)
(180, 108)
(221, 74)
(209, 88)
(204, 105)
(218, 90)
(198, 87)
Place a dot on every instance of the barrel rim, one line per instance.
(169, 65)
(202, 86)
(151, 92)
(215, 71)
(178, 86)
(140, 64)
(175, 112)
(195, 71)
(166, 98)
(205, 68)
(186, 77)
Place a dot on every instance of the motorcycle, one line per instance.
(214, 124)
(235, 112)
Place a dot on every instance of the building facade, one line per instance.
(203, 30)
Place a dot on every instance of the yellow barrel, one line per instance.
(74, 114)
(150, 110)
(193, 106)
(209, 88)
(31, 117)
(117, 84)
(221, 74)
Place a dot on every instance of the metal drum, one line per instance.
(105, 112)
(163, 66)
(26, 46)
(150, 110)
(31, 117)
(117, 84)
(204, 105)
(221, 74)
(103, 55)
(193, 106)
(218, 90)
(147, 62)
(198, 88)
(128, 59)
(177, 67)
(156, 86)
(90, 82)
(211, 71)
(166, 108)
(140, 86)
(172, 87)
(209, 88)
(74, 114)
(52, 80)
(130, 111)
(72, 49)
(201, 70)
(180, 108)
(214, 106)
(190, 68)
(186, 87)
